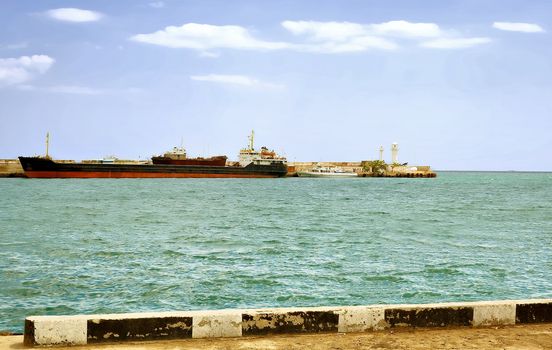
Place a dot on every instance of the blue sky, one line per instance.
(458, 84)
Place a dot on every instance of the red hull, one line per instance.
(130, 175)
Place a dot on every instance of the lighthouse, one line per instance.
(394, 153)
(381, 153)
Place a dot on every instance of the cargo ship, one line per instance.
(252, 164)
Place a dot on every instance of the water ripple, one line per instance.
(98, 246)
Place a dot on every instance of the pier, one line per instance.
(367, 169)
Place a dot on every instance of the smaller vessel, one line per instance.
(320, 171)
(177, 156)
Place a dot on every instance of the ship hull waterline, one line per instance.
(131, 175)
(45, 168)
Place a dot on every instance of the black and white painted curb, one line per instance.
(88, 329)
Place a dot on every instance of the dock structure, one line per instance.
(137, 327)
(370, 168)
(381, 169)
(11, 168)
(367, 168)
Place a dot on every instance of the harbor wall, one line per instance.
(10, 168)
(109, 328)
(357, 167)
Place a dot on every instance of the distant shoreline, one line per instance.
(496, 171)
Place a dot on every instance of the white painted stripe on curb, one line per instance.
(500, 314)
(60, 331)
(217, 326)
(361, 319)
(72, 330)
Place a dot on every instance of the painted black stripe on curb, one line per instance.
(534, 313)
(29, 333)
(430, 317)
(289, 322)
(133, 329)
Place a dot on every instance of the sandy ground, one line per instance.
(523, 337)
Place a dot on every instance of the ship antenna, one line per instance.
(47, 144)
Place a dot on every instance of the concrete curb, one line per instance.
(87, 329)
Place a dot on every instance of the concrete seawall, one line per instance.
(89, 329)
(11, 168)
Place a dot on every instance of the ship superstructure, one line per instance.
(264, 156)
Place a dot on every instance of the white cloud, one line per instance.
(205, 36)
(518, 27)
(407, 29)
(455, 43)
(20, 70)
(318, 37)
(340, 37)
(157, 4)
(357, 44)
(336, 37)
(340, 31)
(74, 15)
(235, 80)
(323, 31)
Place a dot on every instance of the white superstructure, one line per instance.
(264, 156)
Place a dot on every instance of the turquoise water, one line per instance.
(98, 246)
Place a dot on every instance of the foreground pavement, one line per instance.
(521, 337)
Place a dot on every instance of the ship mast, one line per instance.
(251, 139)
(47, 144)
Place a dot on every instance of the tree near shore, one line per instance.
(374, 166)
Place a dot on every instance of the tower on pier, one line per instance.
(394, 153)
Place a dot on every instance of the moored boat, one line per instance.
(252, 164)
(320, 171)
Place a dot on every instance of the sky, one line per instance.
(459, 85)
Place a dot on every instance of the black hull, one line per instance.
(36, 167)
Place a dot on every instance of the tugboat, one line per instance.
(252, 164)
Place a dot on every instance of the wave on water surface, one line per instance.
(95, 246)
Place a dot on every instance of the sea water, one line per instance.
(77, 246)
